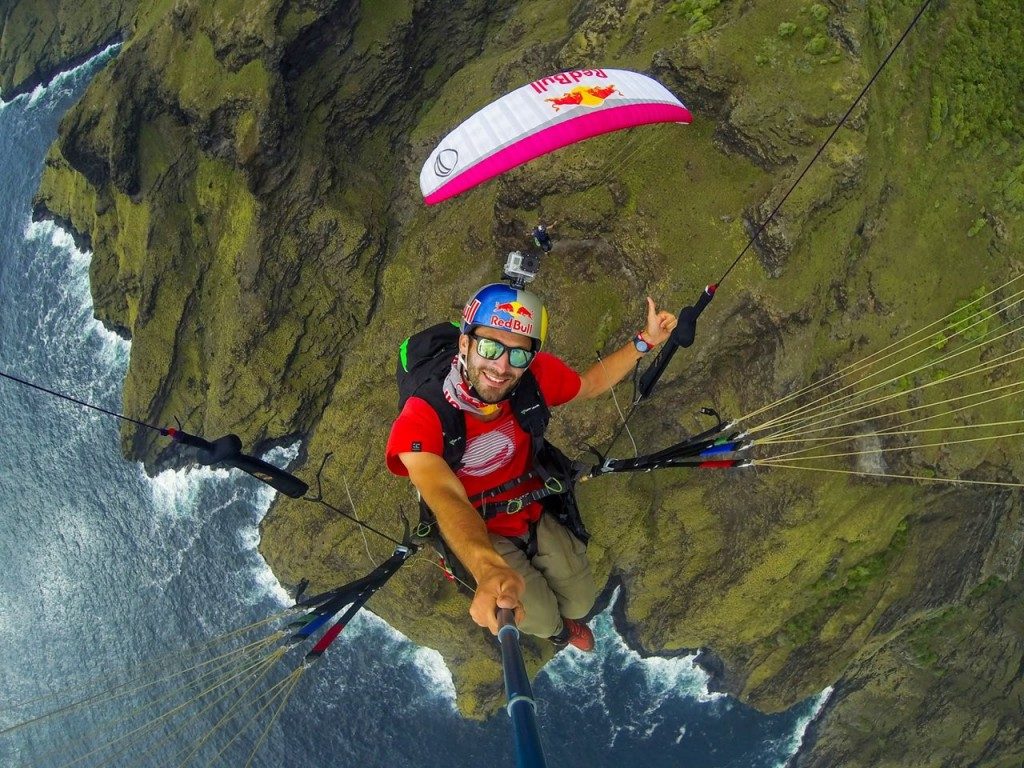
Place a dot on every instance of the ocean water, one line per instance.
(104, 568)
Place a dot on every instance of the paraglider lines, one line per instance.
(950, 332)
(294, 678)
(232, 711)
(821, 149)
(259, 669)
(140, 684)
(946, 323)
(271, 695)
(212, 682)
(847, 404)
(233, 678)
(850, 413)
(194, 718)
(891, 476)
(137, 672)
(1016, 389)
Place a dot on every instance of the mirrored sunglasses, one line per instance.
(489, 349)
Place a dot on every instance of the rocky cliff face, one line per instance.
(246, 176)
(39, 39)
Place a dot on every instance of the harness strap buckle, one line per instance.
(514, 506)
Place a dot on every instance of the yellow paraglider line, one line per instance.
(824, 442)
(888, 475)
(897, 346)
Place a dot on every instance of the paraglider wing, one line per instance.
(541, 117)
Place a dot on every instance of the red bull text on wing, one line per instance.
(565, 78)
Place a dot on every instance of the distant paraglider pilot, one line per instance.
(475, 400)
(542, 237)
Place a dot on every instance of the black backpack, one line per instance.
(424, 360)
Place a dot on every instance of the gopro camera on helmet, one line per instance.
(521, 268)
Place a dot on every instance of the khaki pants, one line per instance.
(558, 580)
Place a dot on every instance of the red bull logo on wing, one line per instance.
(565, 78)
(584, 95)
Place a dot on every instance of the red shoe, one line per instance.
(577, 634)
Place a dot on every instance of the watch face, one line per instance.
(641, 345)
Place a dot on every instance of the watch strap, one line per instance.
(641, 344)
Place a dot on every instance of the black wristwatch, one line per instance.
(642, 345)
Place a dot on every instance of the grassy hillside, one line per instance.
(246, 173)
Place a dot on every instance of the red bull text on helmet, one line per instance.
(508, 309)
(512, 316)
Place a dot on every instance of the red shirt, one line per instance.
(496, 451)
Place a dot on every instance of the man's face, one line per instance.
(493, 380)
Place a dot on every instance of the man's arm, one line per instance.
(609, 371)
(497, 585)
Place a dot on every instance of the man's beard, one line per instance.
(486, 390)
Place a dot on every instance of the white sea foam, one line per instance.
(175, 491)
(72, 317)
(70, 79)
(796, 738)
(675, 676)
(661, 679)
(263, 578)
(437, 678)
(65, 82)
(175, 509)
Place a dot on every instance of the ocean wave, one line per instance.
(429, 664)
(263, 579)
(660, 680)
(66, 334)
(63, 84)
(67, 82)
(796, 738)
(662, 676)
(175, 492)
(178, 518)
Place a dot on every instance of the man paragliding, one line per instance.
(475, 400)
(542, 236)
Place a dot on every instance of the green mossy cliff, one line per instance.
(245, 173)
(39, 39)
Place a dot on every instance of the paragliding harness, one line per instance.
(424, 361)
